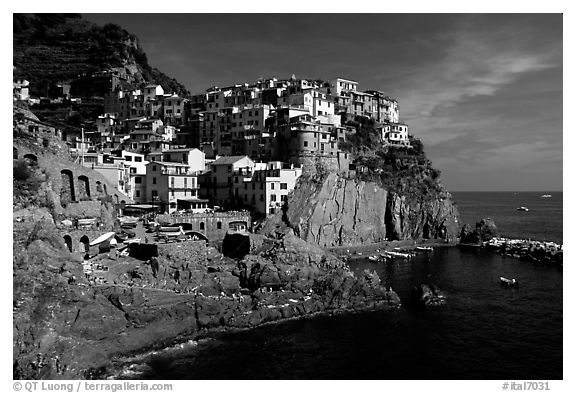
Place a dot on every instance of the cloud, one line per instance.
(476, 63)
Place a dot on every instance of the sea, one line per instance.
(485, 330)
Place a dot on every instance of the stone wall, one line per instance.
(212, 225)
(74, 189)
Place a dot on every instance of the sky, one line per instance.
(482, 91)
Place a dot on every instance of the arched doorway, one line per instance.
(86, 242)
(83, 188)
(67, 192)
(68, 241)
(31, 158)
(99, 188)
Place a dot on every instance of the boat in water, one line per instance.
(395, 254)
(522, 208)
(546, 196)
(509, 282)
(422, 248)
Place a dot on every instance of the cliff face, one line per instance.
(337, 211)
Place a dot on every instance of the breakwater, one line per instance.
(527, 249)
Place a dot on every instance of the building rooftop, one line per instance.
(227, 160)
(180, 150)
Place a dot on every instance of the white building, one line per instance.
(172, 185)
(194, 158)
(266, 189)
(395, 134)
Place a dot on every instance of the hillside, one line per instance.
(402, 170)
(51, 48)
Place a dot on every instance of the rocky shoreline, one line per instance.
(134, 365)
(69, 325)
(485, 236)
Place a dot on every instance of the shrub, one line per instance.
(21, 171)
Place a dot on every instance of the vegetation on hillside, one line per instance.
(403, 170)
(50, 48)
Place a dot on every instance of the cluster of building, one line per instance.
(241, 146)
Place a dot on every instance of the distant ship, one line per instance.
(546, 196)
(522, 208)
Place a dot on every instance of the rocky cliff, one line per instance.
(339, 211)
(394, 193)
(68, 327)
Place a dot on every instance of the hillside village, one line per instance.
(234, 147)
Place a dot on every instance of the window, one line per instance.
(271, 186)
(138, 159)
(154, 169)
(202, 226)
(154, 193)
(219, 225)
(137, 193)
(153, 180)
(305, 143)
(253, 186)
(185, 182)
(261, 197)
(132, 170)
(128, 158)
(323, 136)
(273, 197)
(283, 198)
(138, 180)
(283, 186)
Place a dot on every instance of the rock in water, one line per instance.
(485, 230)
(429, 295)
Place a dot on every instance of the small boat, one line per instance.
(546, 196)
(522, 208)
(509, 282)
(373, 258)
(398, 254)
(424, 248)
(105, 237)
